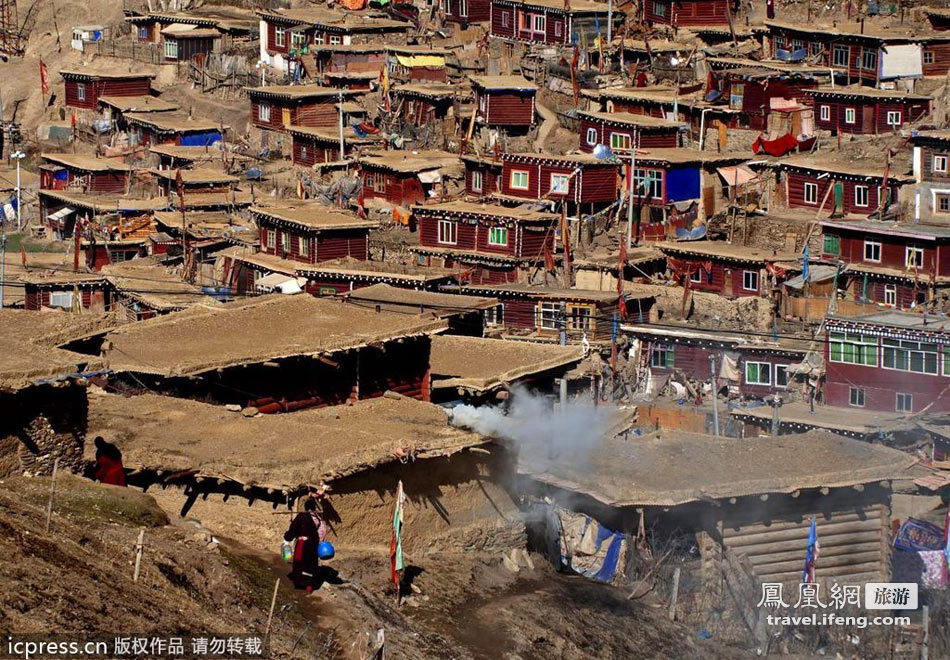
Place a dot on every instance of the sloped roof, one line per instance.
(312, 215)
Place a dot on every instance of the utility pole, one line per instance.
(715, 400)
(610, 23)
(633, 166)
(18, 156)
(342, 157)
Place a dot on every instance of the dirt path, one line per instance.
(549, 124)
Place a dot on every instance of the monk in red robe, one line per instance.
(109, 468)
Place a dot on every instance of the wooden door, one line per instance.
(286, 116)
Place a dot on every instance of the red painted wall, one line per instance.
(648, 140)
(688, 12)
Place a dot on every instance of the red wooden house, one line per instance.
(276, 107)
(417, 64)
(482, 175)
(195, 181)
(549, 22)
(361, 81)
(866, 53)
(895, 265)
(939, 18)
(356, 58)
(85, 174)
(83, 88)
(288, 34)
(686, 13)
(729, 270)
(751, 88)
(579, 179)
(620, 130)
(153, 27)
(863, 110)
(61, 210)
(543, 312)
(404, 178)
(839, 186)
(185, 43)
(665, 102)
(322, 145)
(762, 365)
(310, 232)
(422, 103)
(154, 128)
(494, 243)
(467, 11)
(59, 291)
(890, 360)
(505, 101)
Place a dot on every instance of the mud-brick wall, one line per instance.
(40, 424)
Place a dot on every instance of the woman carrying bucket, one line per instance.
(310, 546)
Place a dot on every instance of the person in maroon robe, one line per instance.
(308, 529)
(109, 468)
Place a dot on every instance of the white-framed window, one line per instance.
(824, 112)
(269, 238)
(942, 203)
(890, 295)
(592, 136)
(263, 112)
(852, 348)
(814, 47)
(303, 246)
(579, 318)
(856, 397)
(463, 8)
(61, 299)
(285, 241)
(758, 373)
(560, 184)
(840, 55)
(850, 116)
(558, 29)
(280, 38)
(620, 141)
(448, 232)
(872, 251)
(940, 164)
(869, 59)
(904, 402)
(548, 315)
(81, 91)
(913, 257)
(519, 179)
(476, 181)
(648, 183)
(750, 280)
(335, 40)
(659, 8)
(860, 195)
(797, 44)
(662, 356)
(538, 23)
(894, 118)
(810, 193)
(498, 236)
(171, 49)
(505, 19)
(913, 356)
(928, 56)
(696, 276)
(495, 316)
(781, 375)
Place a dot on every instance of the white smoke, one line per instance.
(542, 431)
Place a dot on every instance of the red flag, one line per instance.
(622, 304)
(22, 253)
(549, 264)
(44, 78)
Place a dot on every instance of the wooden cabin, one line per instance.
(83, 174)
(863, 111)
(185, 43)
(404, 178)
(895, 265)
(580, 179)
(277, 107)
(686, 13)
(288, 34)
(840, 186)
(549, 22)
(408, 64)
(310, 232)
(194, 181)
(504, 101)
(156, 27)
(114, 108)
(61, 210)
(543, 312)
(467, 315)
(420, 104)
(155, 128)
(494, 244)
(931, 167)
(66, 291)
(888, 361)
(312, 146)
(173, 156)
(620, 130)
(687, 104)
(466, 12)
(732, 271)
(863, 53)
(83, 88)
(360, 81)
(482, 175)
(356, 58)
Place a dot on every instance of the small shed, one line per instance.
(84, 87)
(311, 232)
(277, 107)
(312, 146)
(420, 104)
(504, 101)
(863, 110)
(403, 178)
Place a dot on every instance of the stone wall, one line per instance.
(39, 425)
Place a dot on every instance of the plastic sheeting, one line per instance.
(430, 176)
(421, 60)
(682, 184)
(904, 61)
(204, 139)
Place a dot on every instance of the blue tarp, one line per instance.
(204, 139)
(682, 184)
(61, 175)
